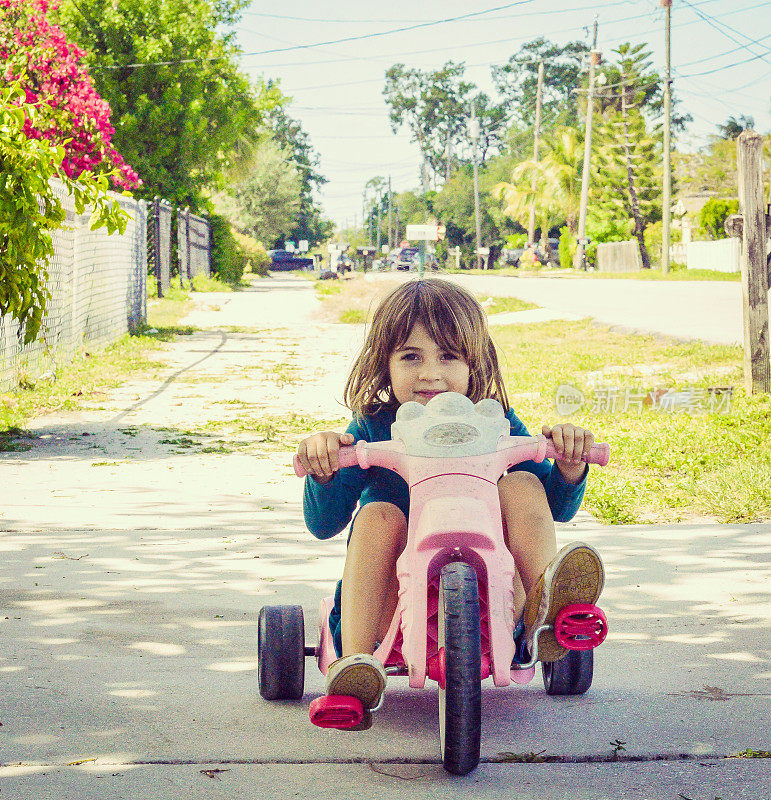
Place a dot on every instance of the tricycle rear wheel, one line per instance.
(281, 652)
(460, 701)
(570, 675)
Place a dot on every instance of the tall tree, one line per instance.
(264, 201)
(179, 102)
(517, 81)
(557, 190)
(733, 126)
(434, 105)
(310, 225)
(629, 150)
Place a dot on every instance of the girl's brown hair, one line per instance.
(454, 320)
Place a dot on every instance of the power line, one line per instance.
(714, 23)
(486, 43)
(724, 68)
(412, 19)
(345, 39)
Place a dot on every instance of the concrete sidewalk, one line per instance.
(134, 571)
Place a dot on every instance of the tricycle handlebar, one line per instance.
(388, 454)
(598, 453)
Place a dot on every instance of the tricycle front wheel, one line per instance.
(571, 675)
(460, 700)
(281, 652)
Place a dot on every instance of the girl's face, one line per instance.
(420, 369)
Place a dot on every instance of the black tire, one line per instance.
(281, 652)
(460, 702)
(570, 675)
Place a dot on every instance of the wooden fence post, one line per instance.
(757, 368)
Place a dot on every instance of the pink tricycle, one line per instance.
(455, 619)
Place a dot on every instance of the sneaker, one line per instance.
(575, 575)
(361, 676)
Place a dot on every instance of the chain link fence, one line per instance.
(98, 283)
(193, 245)
(98, 286)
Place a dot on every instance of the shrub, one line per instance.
(713, 215)
(30, 211)
(233, 253)
(516, 240)
(69, 112)
(227, 260)
(528, 261)
(567, 246)
(255, 255)
(654, 237)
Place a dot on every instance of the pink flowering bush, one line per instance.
(35, 52)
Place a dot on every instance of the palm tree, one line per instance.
(564, 159)
(557, 193)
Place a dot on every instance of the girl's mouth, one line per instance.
(428, 393)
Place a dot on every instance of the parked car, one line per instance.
(402, 258)
(286, 260)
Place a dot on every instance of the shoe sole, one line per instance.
(360, 680)
(577, 576)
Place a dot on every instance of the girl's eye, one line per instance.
(409, 357)
(450, 356)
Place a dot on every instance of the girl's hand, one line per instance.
(318, 454)
(572, 443)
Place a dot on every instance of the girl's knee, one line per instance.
(379, 520)
(523, 490)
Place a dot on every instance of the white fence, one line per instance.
(723, 255)
(619, 257)
(99, 288)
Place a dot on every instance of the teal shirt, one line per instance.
(329, 508)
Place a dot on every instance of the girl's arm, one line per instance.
(564, 496)
(329, 503)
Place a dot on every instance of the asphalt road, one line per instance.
(707, 310)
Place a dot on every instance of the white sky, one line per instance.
(336, 89)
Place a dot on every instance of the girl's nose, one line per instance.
(430, 370)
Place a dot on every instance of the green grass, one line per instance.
(81, 379)
(502, 305)
(353, 316)
(206, 283)
(327, 288)
(252, 431)
(665, 467)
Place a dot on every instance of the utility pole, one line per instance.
(579, 261)
(448, 155)
(390, 215)
(667, 199)
(379, 201)
(364, 212)
(536, 144)
(474, 131)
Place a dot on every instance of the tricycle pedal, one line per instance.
(581, 626)
(336, 711)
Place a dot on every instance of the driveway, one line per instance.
(135, 564)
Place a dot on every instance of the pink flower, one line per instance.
(68, 106)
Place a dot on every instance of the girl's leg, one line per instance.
(550, 580)
(529, 526)
(369, 579)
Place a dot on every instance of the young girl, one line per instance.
(427, 337)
